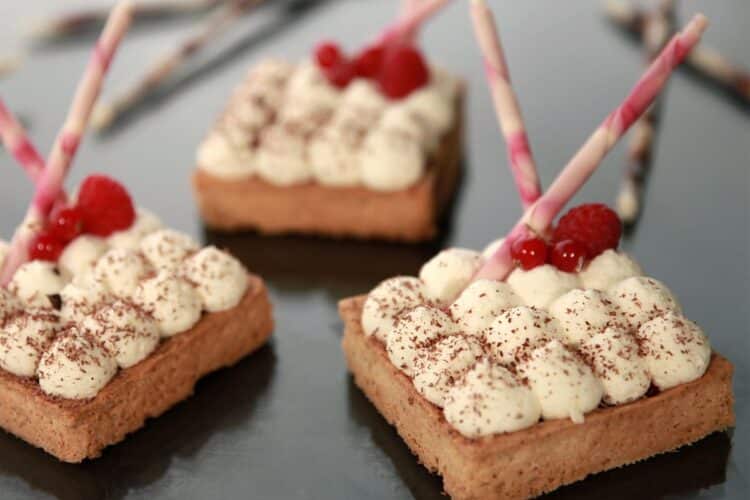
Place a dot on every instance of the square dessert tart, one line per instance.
(294, 153)
(512, 389)
(117, 331)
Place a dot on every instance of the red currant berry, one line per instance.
(45, 247)
(66, 224)
(568, 255)
(369, 62)
(105, 206)
(328, 54)
(529, 253)
(404, 70)
(341, 74)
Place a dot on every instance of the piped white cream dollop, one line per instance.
(518, 331)
(120, 271)
(80, 298)
(480, 303)
(413, 333)
(563, 384)
(387, 301)
(440, 365)
(282, 157)
(614, 356)
(607, 269)
(75, 366)
(538, 287)
(490, 401)
(130, 239)
(9, 304)
(334, 157)
(34, 281)
(220, 156)
(167, 248)
(447, 274)
(582, 314)
(675, 349)
(641, 299)
(431, 104)
(128, 332)
(391, 161)
(220, 279)
(81, 254)
(173, 302)
(23, 339)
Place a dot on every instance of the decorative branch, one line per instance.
(407, 25)
(507, 108)
(17, 142)
(541, 214)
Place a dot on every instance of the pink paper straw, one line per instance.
(66, 144)
(17, 142)
(407, 25)
(542, 213)
(507, 108)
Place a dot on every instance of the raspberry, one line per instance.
(65, 224)
(45, 247)
(341, 74)
(529, 253)
(328, 54)
(595, 225)
(105, 206)
(568, 255)
(369, 62)
(403, 71)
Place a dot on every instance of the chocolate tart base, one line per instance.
(408, 215)
(74, 430)
(548, 455)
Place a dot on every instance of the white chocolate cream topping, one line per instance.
(497, 356)
(415, 331)
(387, 301)
(110, 305)
(490, 401)
(173, 301)
(23, 339)
(480, 303)
(75, 366)
(167, 248)
(128, 332)
(676, 350)
(641, 299)
(394, 139)
(35, 281)
(542, 285)
(219, 278)
(130, 239)
(447, 274)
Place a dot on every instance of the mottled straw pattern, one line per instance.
(541, 214)
(51, 180)
(506, 103)
(17, 142)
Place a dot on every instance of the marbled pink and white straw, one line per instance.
(66, 144)
(407, 24)
(17, 142)
(506, 103)
(541, 214)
